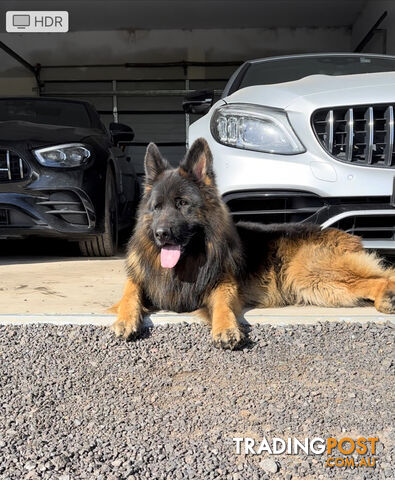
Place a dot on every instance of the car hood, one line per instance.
(282, 95)
(35, 134)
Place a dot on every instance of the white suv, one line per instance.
(307, 138)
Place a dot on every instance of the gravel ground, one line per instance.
(76, 403)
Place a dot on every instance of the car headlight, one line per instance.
(257, 128)
(69, 155)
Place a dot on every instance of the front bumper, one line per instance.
(51, 213)
(45, 202)
(371, 218)
(308, 188)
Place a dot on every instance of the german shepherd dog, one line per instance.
(186, 255)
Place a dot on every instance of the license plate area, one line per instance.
(3, 216)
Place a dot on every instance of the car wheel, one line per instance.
(105, 245)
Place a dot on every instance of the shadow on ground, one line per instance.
(43, 250)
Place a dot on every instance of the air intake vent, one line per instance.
(361, 135)
(3, 216)
(369, 227)
(67, 206)
(12, 167)
(271, 207)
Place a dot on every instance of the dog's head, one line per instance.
(175, 199)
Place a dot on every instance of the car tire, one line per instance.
(105, 245)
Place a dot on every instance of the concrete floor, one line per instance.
(35, 280)
(43, 276)
(62, 285)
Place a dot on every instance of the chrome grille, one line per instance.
(12, 167)
(361, 135)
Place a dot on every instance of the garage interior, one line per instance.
(136, 60)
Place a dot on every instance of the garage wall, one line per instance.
(173, 45)
(365, 21)
(14, 86)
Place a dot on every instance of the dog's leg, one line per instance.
(322, 276)
(114, 308)
(224, 306)
(380, 290)
(128, 323)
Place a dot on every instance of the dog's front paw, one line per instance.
(386, 303)
(126, 329)
(229, 339)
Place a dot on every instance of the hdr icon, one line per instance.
(37, 22)
(48, 21)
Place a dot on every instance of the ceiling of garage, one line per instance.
(197, 14)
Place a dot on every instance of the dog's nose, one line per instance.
(162, 234)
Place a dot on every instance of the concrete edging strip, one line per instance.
(251, 317)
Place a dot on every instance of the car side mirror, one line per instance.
(198, 102)
(121, 133)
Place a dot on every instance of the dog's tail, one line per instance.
(114, 308)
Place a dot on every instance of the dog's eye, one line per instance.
(157, 206)
(180, 202)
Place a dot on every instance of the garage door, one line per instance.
(148, 99)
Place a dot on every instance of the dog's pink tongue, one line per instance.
(170, 255)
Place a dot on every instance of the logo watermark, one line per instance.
(344, 452)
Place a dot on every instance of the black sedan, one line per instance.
(62, 174)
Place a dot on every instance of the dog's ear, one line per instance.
(154, 163)
(198, 162)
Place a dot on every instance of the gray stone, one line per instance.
(30, 465)
(269, 465)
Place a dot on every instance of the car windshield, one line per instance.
(46, 112)
(290, 69)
